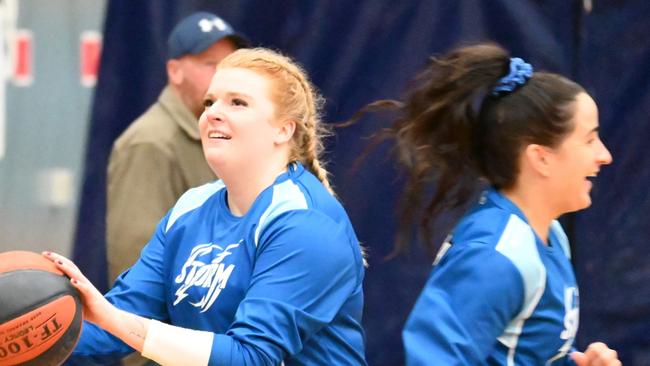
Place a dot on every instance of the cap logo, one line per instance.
(206, 25)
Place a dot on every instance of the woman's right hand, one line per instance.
(96, 309)
(597, 354)
(130, 328)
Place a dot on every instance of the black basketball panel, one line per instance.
(24, 290)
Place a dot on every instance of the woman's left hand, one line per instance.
(597, 354)
(96, 308)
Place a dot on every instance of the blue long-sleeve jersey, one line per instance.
(283, 283)
(497, 295)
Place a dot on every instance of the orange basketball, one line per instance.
(40, 311)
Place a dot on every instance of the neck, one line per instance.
(244, 185)
(535, 206)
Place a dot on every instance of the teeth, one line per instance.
(217, 135)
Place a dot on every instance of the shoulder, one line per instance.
(307, 224)
(301, 215)
(497, 239)
(302, 193)
(284, 197)
(476, 261)
(314, 239)
(191, 200)
(499, 229)
(484, 223)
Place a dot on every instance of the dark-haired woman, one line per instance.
(502, 291)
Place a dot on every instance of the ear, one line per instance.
(285, 131)
(539, 159)
(175, 72)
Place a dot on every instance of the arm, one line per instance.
(180, 346)
(143, 183)
(141, 292)
(466, 304)
(305, 271)
(128, 327)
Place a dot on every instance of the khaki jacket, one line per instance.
(155, 160)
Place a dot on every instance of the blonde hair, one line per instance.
(296, 99)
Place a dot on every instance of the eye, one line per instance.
(207, 103)
(592, 138)
(239, 102)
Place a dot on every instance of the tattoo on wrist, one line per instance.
(138, 329)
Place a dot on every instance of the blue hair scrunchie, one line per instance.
(520, 72)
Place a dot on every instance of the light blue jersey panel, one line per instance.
(287, 196)
(191, 200)
(517, 243)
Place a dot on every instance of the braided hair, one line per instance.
(297, 99)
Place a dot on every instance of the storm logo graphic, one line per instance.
(212, 276)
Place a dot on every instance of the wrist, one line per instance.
(171, 345)
(130, 328)
(111, 318)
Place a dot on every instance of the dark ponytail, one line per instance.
(454, 135)
(435, 135)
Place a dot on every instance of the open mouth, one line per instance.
(218, 135)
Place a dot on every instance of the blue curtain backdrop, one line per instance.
(359, 51)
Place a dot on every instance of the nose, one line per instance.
(604, 156)
(213, 112)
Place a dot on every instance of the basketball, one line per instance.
(40, 311)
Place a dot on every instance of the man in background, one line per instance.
(159, 156)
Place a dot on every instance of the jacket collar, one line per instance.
(172, 103)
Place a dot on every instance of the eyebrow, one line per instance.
(595, 129)
(238, 94)
(209, 95)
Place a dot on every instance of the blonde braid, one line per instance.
(312, 148)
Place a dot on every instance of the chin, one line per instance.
(215, 163)
(582, 204)
(214, 160)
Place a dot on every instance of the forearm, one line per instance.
(163, 343)
(130, 328)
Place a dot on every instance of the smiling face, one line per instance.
(239, 127)
(270, 79)
(577, 159)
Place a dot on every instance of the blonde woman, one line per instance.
(261, 267)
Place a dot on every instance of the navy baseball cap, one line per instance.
(197, 32)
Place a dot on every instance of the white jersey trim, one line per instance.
(517, 243)
(287, 196)
(193, 199)
(561, 237)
